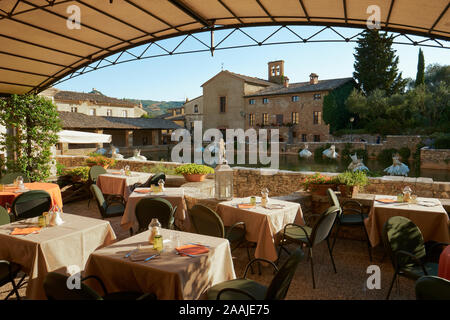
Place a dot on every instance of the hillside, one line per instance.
(156, 108)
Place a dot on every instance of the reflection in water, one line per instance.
(295, 163)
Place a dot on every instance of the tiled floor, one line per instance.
(350, 281)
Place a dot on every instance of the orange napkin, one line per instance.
(142, 191)
(116, 172)
(245, 206)
(192, 249)
(25, 231)
(387, 200)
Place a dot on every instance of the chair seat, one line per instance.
(258, 291)
(4, 271)
(298, 234)
(115, 210)
(416, 271)
(352, 219)
(236, 234)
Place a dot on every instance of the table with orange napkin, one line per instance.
(25, 231)
(9, 193)
(192, 249)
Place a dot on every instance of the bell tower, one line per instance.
(276, 71)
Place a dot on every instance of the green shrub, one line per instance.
(349, 178)
(404, 152)
(442, 141)
(81, 172)
(193, 168)
(167, 170)
(60, 169)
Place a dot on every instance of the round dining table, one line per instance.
(10, 192)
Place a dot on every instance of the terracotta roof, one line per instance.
(75, 120)
(300, 87)
(96, 98)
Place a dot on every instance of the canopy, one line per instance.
(69, 136)
(39, 45)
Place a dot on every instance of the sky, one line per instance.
(177, 77)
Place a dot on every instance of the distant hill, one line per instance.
(156, 108)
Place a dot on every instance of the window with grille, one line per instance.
(265, 118)
(265, 100)
(317, 96)
(295, 98)
(295, 117)
(251, 119)
(317, 117)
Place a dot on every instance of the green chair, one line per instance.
(244, 289)
(432, 288)
(9, 270)
(311, 236)
(207, 222)
(149, 208)
(55, 287)
(350, 215)
(107, 209)
(94, 172)
(31, 204)
(405, 246)
(10, 177)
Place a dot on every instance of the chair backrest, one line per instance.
(206, 221)
(55, 287)
(95, 171)
(11, 176)
(279, 285)
(155, 178)
(31, 204)
(100, 199)
(334, 200)
(4, 216)
(323, 226)
(149, 208)
(400, 233)
(432, 288)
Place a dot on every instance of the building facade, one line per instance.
(234, 101)
(193, 112)
(93, 103)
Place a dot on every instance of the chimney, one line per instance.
(286, 82)
(313, 78)
(276, 71)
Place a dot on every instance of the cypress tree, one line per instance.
(376, 65)
(420, 77)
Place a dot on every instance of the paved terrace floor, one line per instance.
(349, 283)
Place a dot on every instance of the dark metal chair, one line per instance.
(311, 236)
(55, 287)
(153, 180)
(94, 172)
(244, 289)
(404, 244)
(107, 209)
(350, 215)
(9, 270)
(11, 176)
(31, 204)
(149, 208)
(208, 222)
(432, 288)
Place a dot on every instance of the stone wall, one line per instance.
(250, 182)
(435, 158)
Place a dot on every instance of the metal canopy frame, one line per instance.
(194, 23)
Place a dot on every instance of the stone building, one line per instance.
(232, 100)
(193, 111)
(93, 103)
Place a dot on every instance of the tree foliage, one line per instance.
(376, 65)
(420, 76)
(35, 121)
(335, 112)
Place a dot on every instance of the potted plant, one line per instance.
(193, 172)
(100, 160)
(350, 182)
(318, 184)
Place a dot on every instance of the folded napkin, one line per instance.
(192, 249)
(143, 191)
(387, 200)
(25, 231)
(246, 206)
(116, 172)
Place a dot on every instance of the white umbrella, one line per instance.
(70, 136)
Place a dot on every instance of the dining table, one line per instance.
(171, 275)
(115, 182)
(10, 192)
(427, 213)
(174, 195)
(263, 224)
(64, 248)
